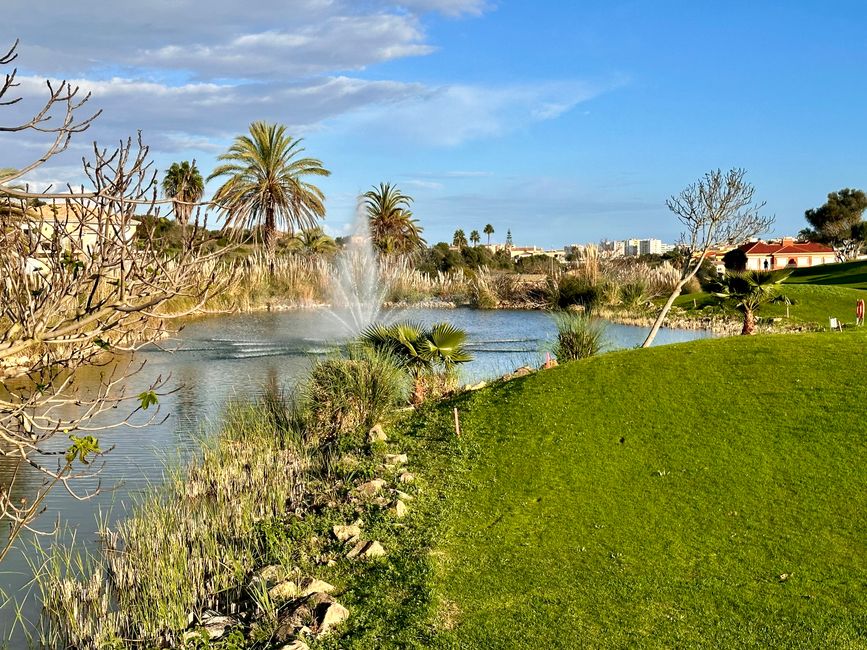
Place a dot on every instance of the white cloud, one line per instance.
(334, 44)
(423, 184)
(455, 114)
(223, 38)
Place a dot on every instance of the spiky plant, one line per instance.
(578, 336)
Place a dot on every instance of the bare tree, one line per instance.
(83, 277)
(716, 211)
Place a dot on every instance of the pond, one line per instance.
(216, 360)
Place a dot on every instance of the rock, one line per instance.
(396, 459)
(523, 371)
(286, 590)
(406, 478)
(377, 434)
(311, 586)
(216, 624)
(400, 509)
(329, 615)
(346, 533)
(478, 386)
(314, 616)
(403, 496)
(365, 551)
(371, 488)
(271, 574)
(297, 644)
(382, 502)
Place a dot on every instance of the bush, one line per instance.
(570, 290)
(635, 294)
(345, 396)
(693, 285)
(578, 336)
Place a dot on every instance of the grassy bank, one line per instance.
(705, 494)
(811, 306)
(845, 274)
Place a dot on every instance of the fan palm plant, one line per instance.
(459, 240)
(474, 237)
(421, 351)
(488, 230)
(266, 183)
(390, 220)
(746, 291)
(183, 183)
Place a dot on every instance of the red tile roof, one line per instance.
(797, 248)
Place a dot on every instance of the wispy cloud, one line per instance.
(451, 115)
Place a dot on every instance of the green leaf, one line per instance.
(81, 448)
(147, 399)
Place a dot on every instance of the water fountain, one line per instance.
(358, 290)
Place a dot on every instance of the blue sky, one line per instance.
(563, 121)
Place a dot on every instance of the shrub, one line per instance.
(635, 294)
(693, 285)
(348, 395)
(578, 336)
(570, 290)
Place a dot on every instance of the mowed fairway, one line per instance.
(710, 494)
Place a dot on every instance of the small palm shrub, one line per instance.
(422, 352)
(345, 396)
(578, 336)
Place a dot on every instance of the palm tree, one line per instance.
(183, 184)
(313, 241)
(266, 183)
(474, 237)
(488, 230)
(422, 352)
(746, 291)
(389, 218)
(460, 239)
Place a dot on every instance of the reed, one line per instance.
(187, 546)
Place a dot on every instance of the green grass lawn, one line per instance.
(812, 304)
(847, 274)
(648, 498)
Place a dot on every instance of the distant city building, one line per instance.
(634, 247)
(518, 252)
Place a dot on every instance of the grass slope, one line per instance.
(847, 274)
(654, 498)
(812, 303)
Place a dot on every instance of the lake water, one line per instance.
(219, 359)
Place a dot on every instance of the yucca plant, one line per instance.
(421, 351)
(578, 336)
(746, 291)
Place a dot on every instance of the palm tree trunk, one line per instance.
(749, 323)
(270, 237)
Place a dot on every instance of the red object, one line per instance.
(859, 309)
